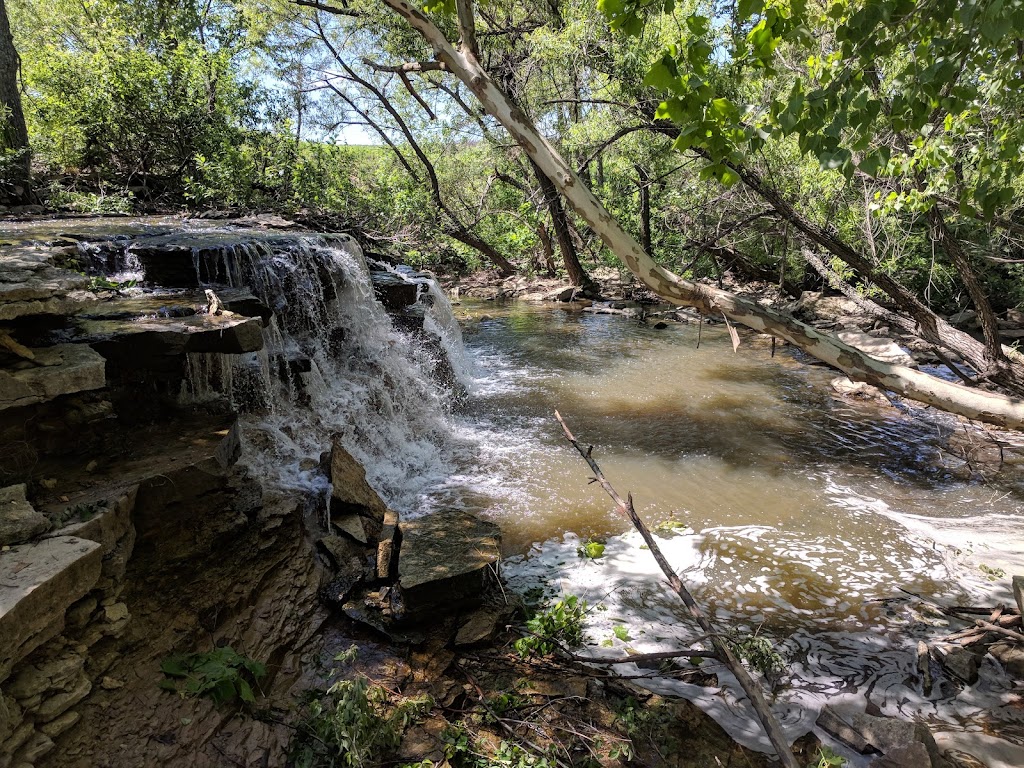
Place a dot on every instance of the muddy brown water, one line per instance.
(805, 516)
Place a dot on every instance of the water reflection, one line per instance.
(799, 503)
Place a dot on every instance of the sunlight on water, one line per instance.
(799, 506)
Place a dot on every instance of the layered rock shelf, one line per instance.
(131, 523)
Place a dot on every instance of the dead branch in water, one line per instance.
(723, 651)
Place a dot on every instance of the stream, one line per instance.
(791, 514)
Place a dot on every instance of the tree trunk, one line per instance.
(644, 187)
(13, 131)
(991, 408)
(560, 223)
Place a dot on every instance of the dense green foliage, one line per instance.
(865, 116)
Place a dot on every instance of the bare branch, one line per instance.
(412, 92)
(327, 8)
(409, 66)
(723, 652)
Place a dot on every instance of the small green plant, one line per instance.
(827, 759)
(222, 674)
(620, 631)
(561, 624)
(760, 654)
(592, 550)
(992, 573)
(352, 724)
(79, 513)
(99, 283)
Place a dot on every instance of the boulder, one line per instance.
(961, 663)
(879, 348)
(351, 494)
(446, 562)
(38, 583)
(394, 291)
(19, 521)
(59, 370)
(561, 294)
(1011, 656)
(896, 739)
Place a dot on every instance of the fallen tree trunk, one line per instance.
(987, 407)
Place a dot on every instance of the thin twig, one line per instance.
(768, 720)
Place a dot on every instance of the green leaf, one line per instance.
(174, 666)
(245, 692)
(747, 8)
(621, 632)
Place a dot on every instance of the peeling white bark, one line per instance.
(975, 404)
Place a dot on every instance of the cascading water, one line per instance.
(333, 363)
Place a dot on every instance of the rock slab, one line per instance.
(446, 561)
(63, 370)
(38, 583)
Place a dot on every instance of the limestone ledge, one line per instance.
(59, 370)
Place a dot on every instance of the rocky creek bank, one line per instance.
(164, 601)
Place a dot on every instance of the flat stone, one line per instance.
(109, 524)
(19, 521)
(883, 349)
(66, 368)
(38, 583)
(445, 561)
(150, 337)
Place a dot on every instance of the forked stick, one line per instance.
(723, 651)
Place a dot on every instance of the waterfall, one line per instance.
(332, 363)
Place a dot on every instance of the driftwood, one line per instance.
(722, 650)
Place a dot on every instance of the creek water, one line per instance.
(792, 515)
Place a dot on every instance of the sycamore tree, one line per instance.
(920, 99)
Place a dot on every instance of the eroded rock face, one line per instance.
(40, 582)
(446, 562)
(59, 370)
(19, 522)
